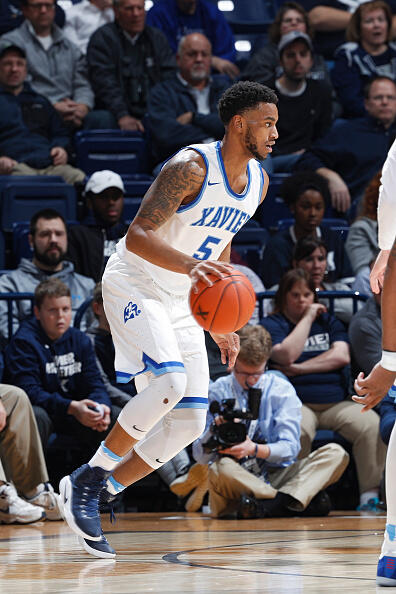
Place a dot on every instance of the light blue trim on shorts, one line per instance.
(192, 402)
(154, 367)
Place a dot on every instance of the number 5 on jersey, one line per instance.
(205, 251)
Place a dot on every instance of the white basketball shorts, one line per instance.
(153, 331)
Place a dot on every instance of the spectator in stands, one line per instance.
(11, 16)
(178, 18)
(260, 473)
(22, 462)
(265, 64)
(362, 241)
(102, 341)
(304, 105)
(33, 139)
(310, 254)
(306, 194)
(365, 335)
(56, 67)
(349, 166)
(183, 109)
(330, 19)
(84, 18)
(92, 243)
(48, 239)
(368, 53)
(55, 364)
(125, 60)
(311, 348)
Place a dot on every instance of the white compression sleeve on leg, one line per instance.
(174, 432)
(145, 409)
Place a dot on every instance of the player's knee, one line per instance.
(196, 424)
(172, 386)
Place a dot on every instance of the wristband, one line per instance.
(256, 450)
(388, 360)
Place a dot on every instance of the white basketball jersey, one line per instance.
(204, 228)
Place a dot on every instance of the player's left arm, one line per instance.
(227, 343)
(376, 385)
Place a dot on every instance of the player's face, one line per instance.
(297, 300)
(374, 27)
(309, 210)
(261, 132)
(55, 316)
(315, 265)
(381, 102)
(194, 59)
(248, 375)
(107, 206)
(296, 60)
(130, 15)
(49, 242)
(292, 20)
(12, 70)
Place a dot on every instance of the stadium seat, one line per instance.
(339, 225)
(253, 16)
(249, 243)
(118, 150)
(21, 201)
(273, 208)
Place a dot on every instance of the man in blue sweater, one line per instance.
(33, 139)
(55, 365)
(353, 151)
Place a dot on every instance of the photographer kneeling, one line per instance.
(252, 439)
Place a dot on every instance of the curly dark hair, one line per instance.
(242, 96)
(296, 184)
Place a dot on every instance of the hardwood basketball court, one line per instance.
(160, 552)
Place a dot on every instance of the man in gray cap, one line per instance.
(305, 106)
(93, 242)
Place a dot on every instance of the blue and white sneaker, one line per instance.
(98, 548)
(79, 494)
(386, 571)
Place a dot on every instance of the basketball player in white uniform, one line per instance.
(376, 385)
(182, 232)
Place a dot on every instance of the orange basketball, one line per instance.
(226, 306)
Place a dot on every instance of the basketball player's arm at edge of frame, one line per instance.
(178, 183)
(376, 385)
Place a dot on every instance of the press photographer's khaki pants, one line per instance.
(360, 429)
(21, 454)
(302, 480)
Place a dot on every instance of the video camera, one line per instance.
(231, 432)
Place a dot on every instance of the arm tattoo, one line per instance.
(175, 183)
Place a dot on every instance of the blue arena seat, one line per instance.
(273, 208)
(118, 150)
(250, 242)
(339, 225)
(253, 16)
(20, 201)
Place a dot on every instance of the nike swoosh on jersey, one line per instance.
(213, 183)
(141, 430)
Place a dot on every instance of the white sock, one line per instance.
(113, 486)
(389, 544)
(104, 458)
(367, 495)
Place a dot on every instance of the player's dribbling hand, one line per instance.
(200, 271)
(229, 347)
(374, 387)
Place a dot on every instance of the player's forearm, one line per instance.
(147, 245)
(388, 304)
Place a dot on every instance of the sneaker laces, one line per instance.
(88, 497)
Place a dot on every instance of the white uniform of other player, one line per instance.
(147, 306)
